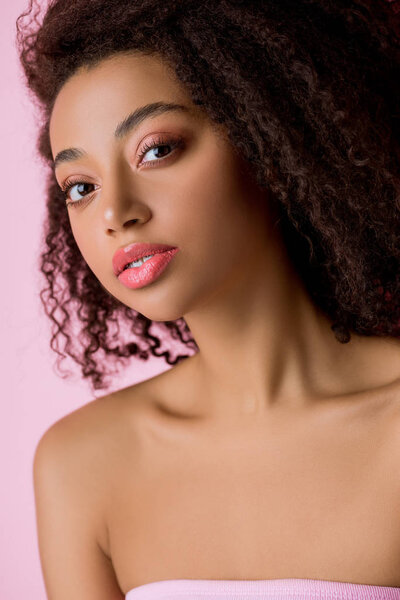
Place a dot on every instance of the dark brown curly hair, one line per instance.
(309, 94)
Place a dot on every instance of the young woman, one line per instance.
(249, 151)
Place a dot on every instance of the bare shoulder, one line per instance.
(72, 468)
(79, 433)
(387, 418)
(82, 436)
(83, 450)
(394, 423)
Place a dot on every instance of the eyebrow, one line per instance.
(129, 123)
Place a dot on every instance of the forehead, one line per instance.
(101, 95)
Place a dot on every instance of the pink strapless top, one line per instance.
(262, 589)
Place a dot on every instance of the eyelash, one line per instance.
(174, 143)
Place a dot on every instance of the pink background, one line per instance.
(34, 396)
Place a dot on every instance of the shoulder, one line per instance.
(80, 455)
(385, 420)
(69, 439)
(72, 469)
(78, 434)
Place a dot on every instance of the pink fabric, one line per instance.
(268, 589)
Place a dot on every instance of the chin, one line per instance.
(164, 302)
(158, 309)
(161, 315)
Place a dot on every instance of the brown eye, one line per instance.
(160, 147)
(80, 189)
(164, 146)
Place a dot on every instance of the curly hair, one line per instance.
(308, 92)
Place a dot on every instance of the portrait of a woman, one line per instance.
(223, 174)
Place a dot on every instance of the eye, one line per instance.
(156, 144)
(69, 185)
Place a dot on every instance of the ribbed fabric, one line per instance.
(262, 589)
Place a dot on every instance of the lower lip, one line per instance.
(138, 277)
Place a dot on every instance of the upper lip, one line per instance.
(134, 251)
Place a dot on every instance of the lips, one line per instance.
(123, 256)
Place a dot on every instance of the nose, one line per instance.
(121, 206)
(116, 219)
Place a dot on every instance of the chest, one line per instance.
(317, 504)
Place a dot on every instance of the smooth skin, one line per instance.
(258, 458)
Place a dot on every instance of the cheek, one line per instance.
(77, 232)
(213, 208)
(86, 244)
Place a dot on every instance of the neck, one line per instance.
(264, 345)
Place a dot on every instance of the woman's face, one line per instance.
(191, 190)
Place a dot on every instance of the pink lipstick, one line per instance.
(151, 260)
